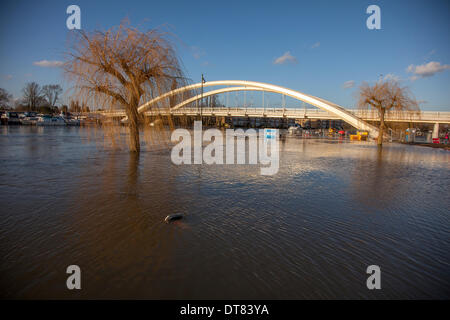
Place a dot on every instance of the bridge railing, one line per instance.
(423, 116)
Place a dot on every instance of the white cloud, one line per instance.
(285, 58)
(315, 45)
(426, 70)
(46, 63)
(348, 84)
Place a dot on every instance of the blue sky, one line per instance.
(329, 49)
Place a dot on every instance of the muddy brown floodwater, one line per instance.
(310, 231)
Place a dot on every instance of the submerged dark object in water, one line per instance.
(173, 217)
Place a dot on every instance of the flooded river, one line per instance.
(308, 232)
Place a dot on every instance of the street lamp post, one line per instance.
(201, 100)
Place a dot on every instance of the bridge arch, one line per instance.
(333, 108)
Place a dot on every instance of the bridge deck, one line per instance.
(422, 117)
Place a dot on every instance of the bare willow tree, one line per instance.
(388, 98)
(123, 66)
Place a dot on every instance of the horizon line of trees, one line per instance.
(40, 99)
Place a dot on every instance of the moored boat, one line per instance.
(11, 117)
(47, 120)
(29, 118)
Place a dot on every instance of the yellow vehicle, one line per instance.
(359, 136)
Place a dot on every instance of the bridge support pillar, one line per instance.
(436, 131)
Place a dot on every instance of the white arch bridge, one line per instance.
(327, 110)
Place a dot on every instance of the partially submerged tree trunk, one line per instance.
(381, 128)
(133, 125)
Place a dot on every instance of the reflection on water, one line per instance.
(309, 231)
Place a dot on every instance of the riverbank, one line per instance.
(431, 145)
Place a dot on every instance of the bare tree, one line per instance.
(51, 92)
(123, 66)
(32, 95)
(64, 108)
(74, 106)
(5, 99)
(387, 97)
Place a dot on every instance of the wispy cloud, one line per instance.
(348, 84)
(426, 70)
(429, 54)
(315, 45)
(197, 52)
(48, 64)
(391, 76)
(285, 58)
